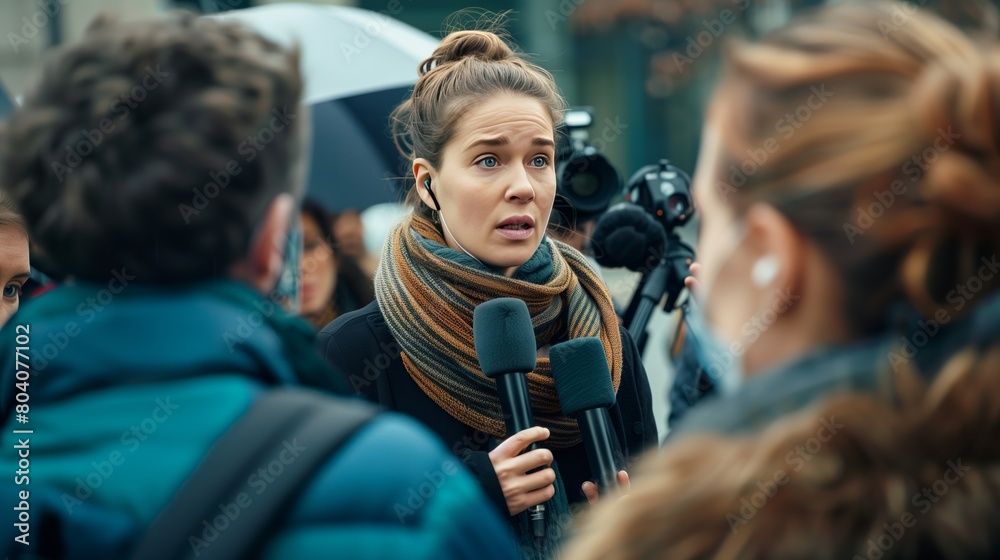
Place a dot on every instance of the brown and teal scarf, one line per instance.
(427, 293)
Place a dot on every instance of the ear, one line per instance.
(265, 257)
(422, 171)
(771, 237)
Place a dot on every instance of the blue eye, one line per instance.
(489, 162)
(539, 161)
(11, 291)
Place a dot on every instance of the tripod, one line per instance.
(667, 277)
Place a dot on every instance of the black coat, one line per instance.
(360, 345)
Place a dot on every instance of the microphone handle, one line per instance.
(595, 429)
(515, 403)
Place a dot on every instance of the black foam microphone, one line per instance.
(627, 236)
(505, 346)
(583, 382)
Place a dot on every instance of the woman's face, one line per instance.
(349, 231)
(496, 182)
(14, 269)
(318, 268)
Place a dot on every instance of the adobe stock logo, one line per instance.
(786, 126)
(250, 149)
(713, 29)
(418, 496)
(88, 140)
(47, 9)
(914, 169)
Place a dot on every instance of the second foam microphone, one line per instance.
(583, 383)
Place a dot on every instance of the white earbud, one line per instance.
(764, 271)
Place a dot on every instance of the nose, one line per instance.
(520, 189)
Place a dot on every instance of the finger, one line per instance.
(623, 481)
(529, 461)
(535, 481)
(539, 496)
(691, 282)
(515, 444)
(590, 491)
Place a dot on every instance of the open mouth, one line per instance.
(517, 228)
(517, 223)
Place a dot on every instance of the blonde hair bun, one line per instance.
(482, 45)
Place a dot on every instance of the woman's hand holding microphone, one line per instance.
(521, 487)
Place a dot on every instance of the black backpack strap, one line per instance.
(297, 429)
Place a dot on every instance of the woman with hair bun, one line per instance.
(479, 128)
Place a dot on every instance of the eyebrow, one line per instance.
(503, 141)
(23, 275)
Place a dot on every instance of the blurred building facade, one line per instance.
(646, 67)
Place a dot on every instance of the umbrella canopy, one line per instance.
(354, 162)
(345, 51)
(358, 65)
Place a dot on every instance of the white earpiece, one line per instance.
(764, 271)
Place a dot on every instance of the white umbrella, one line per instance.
(357, 67)
(345, 51)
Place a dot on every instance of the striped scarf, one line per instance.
(427, 294)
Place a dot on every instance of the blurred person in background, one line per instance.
(349, 231)
(161, 338)
(332, 281)
(14, 266)
(866, 240)
(479, 128)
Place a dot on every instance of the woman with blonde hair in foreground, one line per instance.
(852, 478)
(848, 185)
(850, 206)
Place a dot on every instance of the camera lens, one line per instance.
(677, 204)
(589, 183)
(584, 185)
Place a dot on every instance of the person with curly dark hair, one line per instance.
(158, 165)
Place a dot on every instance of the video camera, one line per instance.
(663, 191)
(586, 182)
(638, 234)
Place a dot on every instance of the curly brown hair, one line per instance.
(156, 146)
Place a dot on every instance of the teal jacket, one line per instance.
(129, 389)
